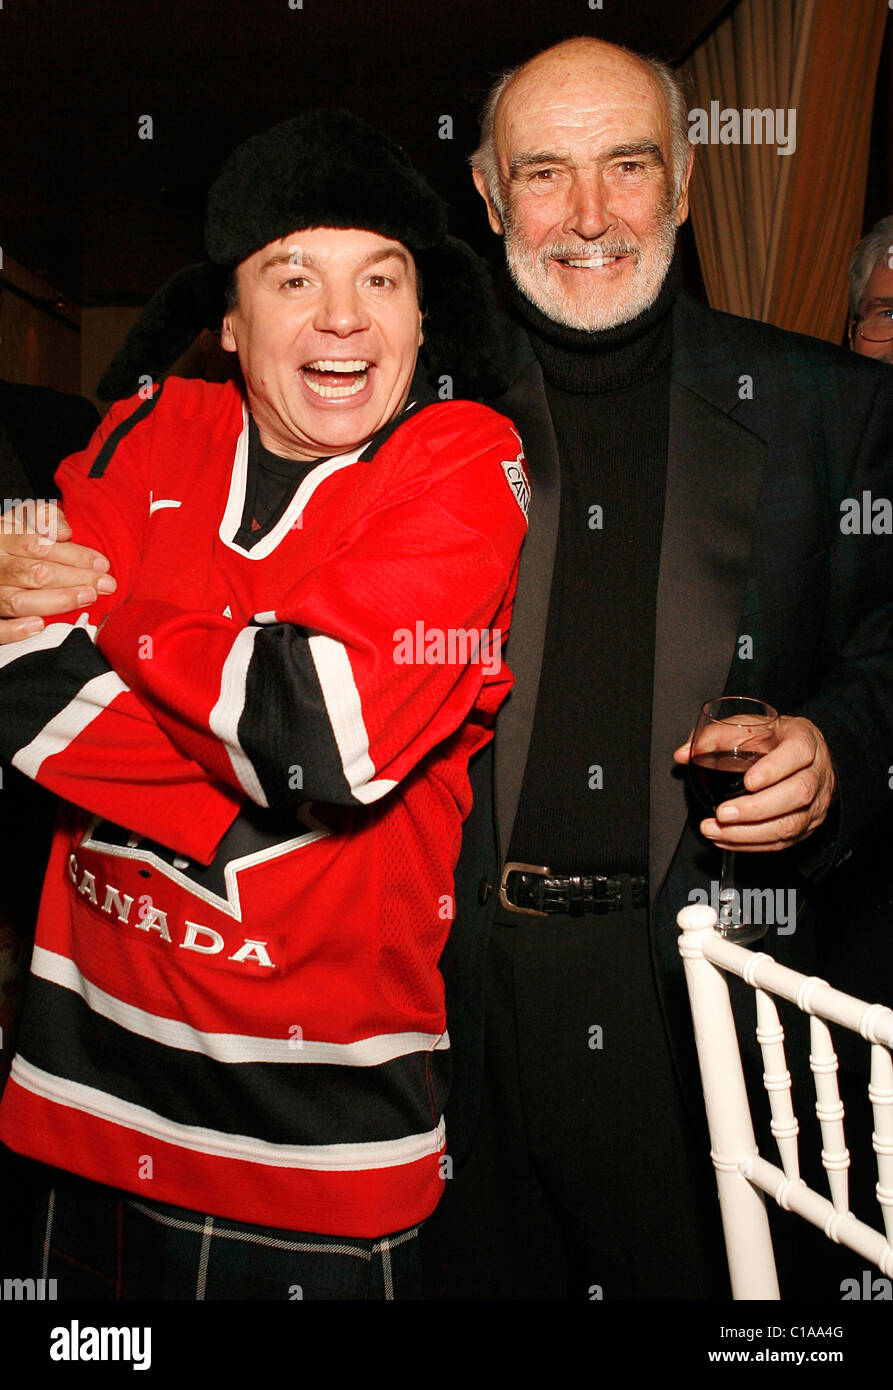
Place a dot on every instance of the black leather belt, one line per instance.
(535, 889)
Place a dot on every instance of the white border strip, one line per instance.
(72, 1095)
(229, 1047)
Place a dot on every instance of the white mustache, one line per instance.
(561, 251)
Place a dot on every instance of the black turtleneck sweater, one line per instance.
(584, 799)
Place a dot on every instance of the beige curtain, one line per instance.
(774, 231)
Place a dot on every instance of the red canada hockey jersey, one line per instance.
(234, 1003)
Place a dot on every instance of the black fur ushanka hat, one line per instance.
(325, 168)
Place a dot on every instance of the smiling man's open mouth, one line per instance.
(593, 262)
(330, 379)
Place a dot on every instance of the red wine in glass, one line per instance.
(718, 777)
(731, 734)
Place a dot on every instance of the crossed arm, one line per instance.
(792, 787)
(224, 711)
(71, 723)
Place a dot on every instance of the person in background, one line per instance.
(870, 325)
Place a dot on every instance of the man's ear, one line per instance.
(480, 184)
(227, 336)
(850, 330)
(682, 201)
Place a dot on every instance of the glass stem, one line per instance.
(727, 892)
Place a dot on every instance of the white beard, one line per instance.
(614, 304)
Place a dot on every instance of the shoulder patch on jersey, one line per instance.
(516, 476)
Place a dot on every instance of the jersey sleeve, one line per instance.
(70, 722)
(375, 656)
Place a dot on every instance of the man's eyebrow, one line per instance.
(631, 149)
(385, 253)
(879, 299)
(634, 148)
(528, 158)
(298, 258)
(293, 257)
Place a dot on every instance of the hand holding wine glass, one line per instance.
(731, 734)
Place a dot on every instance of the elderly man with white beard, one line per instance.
(687, 469)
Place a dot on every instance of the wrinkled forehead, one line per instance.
(580, 106)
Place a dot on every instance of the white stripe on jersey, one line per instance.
(291, 517)
(55, 736)
(345, 713)
(53, 635)
(320, 1157)
(229, 1047)
(224, 717)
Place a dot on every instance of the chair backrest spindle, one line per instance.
(742, 1175)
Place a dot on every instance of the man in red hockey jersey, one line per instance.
(233, 1052)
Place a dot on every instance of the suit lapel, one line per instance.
(525, 404)
(714, 472)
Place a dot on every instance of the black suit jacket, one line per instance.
(769, 432)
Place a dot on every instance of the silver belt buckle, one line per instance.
(513, 867)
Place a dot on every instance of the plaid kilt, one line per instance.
(98, 1243)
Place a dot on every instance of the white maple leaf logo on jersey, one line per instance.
(516, 476)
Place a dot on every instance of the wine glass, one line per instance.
(732, 732)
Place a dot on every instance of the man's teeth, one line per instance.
(325, 364)
(329, 392)
(313, 375)
(591, 262)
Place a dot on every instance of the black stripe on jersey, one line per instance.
(103, 458)
(277, 1103)
(285, 711)
(384, 434)
(285, 708)
(39, 685)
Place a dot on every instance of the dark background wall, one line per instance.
(106, 215)
(103, 216)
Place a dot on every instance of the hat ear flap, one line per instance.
(462, 340)
(191, 300)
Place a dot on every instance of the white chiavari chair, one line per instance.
(742, 1175)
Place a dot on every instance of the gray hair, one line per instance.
(672, 85)
(874, 247)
